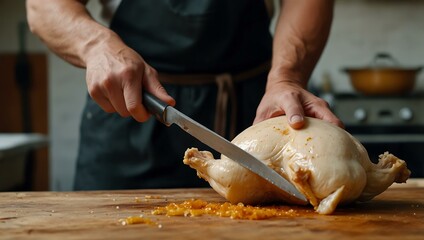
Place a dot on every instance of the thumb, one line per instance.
(296, 121)
(152, 85)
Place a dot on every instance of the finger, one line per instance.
(334, 120)
(328, 116)
(97, 95)
(105, 105)
(296, 121)
(132, 96)
(259, 118)
(321, 110)
(266, 111)
(294, 111)
(261, 114)
(115, 95)
(153, 86)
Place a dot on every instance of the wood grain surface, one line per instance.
(398, 213)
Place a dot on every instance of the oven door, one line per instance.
(408, 147)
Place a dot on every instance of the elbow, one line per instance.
(33, 14)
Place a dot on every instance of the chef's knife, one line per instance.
(169, 115)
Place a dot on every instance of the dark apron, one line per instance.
(197, 36)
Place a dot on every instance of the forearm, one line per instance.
(300, 36)
(116, 75)
(67, 28)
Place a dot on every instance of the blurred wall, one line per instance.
(67, 93)
(360, 29)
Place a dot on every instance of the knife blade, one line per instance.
(168, 115)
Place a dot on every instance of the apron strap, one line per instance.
(226, 92)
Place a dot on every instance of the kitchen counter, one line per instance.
(17, 143)
(398, 213)
(14, 150)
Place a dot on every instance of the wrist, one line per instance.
(102, 41)
(279, 75)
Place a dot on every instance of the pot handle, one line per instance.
(384, 60)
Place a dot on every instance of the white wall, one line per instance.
(11, 13)
(360, 29)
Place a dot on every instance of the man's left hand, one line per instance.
(296, 103)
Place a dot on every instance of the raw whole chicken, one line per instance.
(324, 162)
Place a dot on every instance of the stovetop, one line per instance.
(394, 111)
(352, 95)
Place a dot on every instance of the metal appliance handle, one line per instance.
(389, 138)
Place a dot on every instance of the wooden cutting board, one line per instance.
(398, 213)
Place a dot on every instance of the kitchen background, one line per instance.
(361, 28)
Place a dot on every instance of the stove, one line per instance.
(386, 123)
(357, 110)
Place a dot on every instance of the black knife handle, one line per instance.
(155, 106)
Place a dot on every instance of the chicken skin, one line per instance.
(324, 162)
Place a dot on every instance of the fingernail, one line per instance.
(296, 119)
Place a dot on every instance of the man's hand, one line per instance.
(295, 102)
(116, 76)
(300, 36)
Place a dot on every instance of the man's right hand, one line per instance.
(116, 76)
